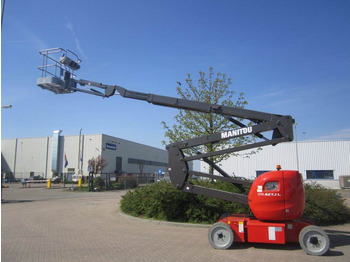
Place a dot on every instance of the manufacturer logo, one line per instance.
(111, 146)
(237, 132)
(270, 194)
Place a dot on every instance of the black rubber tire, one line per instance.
(314, 240)
(220, 236)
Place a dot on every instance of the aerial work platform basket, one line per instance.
(57, 70)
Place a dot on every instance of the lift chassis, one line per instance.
(276, 199)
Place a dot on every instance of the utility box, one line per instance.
(344, 182)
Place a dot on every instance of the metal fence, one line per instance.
(124, 181)
(24, 175)
(112, 181)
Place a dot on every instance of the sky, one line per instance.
(288, 57)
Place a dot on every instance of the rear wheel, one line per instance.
(220, 236)
(314, 240)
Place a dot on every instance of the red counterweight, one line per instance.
(277, 196)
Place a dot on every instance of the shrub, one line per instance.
(325, 206)
(99, 183)
(162, 201)
(126, 182)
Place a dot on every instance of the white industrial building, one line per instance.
(320, 161)
(48, 156)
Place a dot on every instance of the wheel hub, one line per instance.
(314, 240)
(220, 236)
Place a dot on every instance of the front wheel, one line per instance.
(220, 236)
(314, 240)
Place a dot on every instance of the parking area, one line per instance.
(40, 224)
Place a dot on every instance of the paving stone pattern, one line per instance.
(40, 224)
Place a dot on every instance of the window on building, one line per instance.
(319, 174)
(260, 172)
(145, 162)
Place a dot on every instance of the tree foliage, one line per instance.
(325, 206)
(212, 88)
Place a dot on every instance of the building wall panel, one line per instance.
(35, 155)
(302, 156)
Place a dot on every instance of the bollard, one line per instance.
(79, 182)
(49, 183)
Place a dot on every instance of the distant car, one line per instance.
(56, 180)
(38, 177)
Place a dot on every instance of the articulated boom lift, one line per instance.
(275, 198)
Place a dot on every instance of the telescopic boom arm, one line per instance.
(281, 127)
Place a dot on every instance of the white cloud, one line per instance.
(337, 135)
(69, 26)
(273, 94)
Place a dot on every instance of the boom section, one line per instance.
(196, 105)
(280, 127)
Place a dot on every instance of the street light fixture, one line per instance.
(6, 106)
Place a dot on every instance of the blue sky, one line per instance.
(288, 57)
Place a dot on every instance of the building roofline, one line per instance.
(100, 134)
(321, 141)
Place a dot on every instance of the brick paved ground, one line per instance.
(53, 225)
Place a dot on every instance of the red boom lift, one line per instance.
(276, 199)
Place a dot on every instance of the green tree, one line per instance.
(212, 88)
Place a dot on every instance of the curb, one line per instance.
(164, 223)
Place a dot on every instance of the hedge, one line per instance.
(162, 201)
(325, 206)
